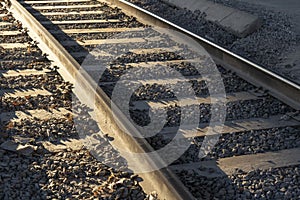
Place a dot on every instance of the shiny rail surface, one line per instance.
(166, 182)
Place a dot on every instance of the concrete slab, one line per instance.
(290, 65)
(199, 5)
(241, 23)
(214, 16)
(235, 21)
(290, 7)
(181, 4)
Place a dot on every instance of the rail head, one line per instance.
(164, 182)
(245, 68)
(280, 87)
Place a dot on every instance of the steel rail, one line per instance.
(278, 86)
(163, 181)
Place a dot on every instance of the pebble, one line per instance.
(243, 186)
(28, 170)
(64, 172)
(266, 46)
(243, 143)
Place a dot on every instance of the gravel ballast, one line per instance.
(278, 183)
(41, 157)
(268, 46)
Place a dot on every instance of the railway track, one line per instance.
(257, 154)
(41, 156)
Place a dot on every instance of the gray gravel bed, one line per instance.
(16, 25)
(15, 39)
(186, 69)
(256, 108)
(259, 108)
(64, 175)
(278, 183)
(266, 46)
(10, 104)
(24, 64)
(31, 170)
(47, 81)
(157, 91)
(232, 83)
(114, 72)
(252, 142)
(52, 130)
(30, 53)
(9, 28)
(48, 174)
(148, 57)
(242, 143)
(194, 22)
(76, 48)
(272, 42)
(7, 18)
(145, 92)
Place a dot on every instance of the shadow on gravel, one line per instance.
(59, 34)
(208, 181)
(31, 163)
(41, 159)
